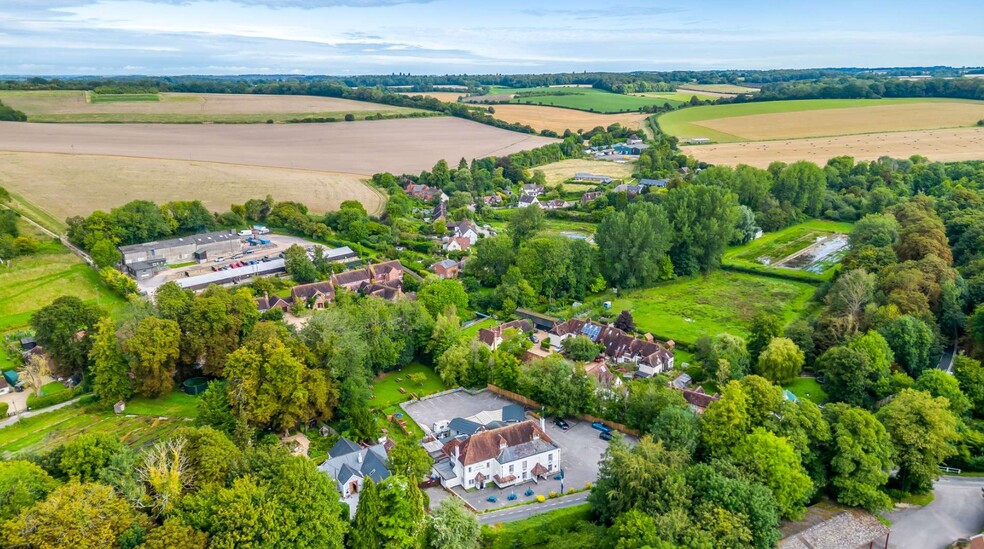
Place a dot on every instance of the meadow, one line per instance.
(365, 148)
(551, 226)
(66, 185)
(559, 172)
(386, 387)
(184, 108)
(772, 120)
(585, 99)
(687, 308)
(561, 119)
(775, 246)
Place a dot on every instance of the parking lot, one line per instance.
(580, 447)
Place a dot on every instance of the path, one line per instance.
(957, 511)
(946, 361)
(75, 249)
(31, 413)
(513, 514)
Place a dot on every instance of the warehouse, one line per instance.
(183, 250)
(231, 276)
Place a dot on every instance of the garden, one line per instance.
(771, 253)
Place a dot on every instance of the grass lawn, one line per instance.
(551, 226)
(32, 282)
(807, 388)
(52, 388)
(583, 99)
(386, 388)
(176, 404)
(687, 308)
(471, 332)
(46, 431)
(780, 244)
(534, 531)
(919, 499)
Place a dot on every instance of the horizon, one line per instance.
(444, 37)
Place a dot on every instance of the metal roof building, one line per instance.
(232, 275)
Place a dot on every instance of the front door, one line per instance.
(354, 487)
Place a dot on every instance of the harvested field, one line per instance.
(396, 146)
(718, 88)
(559, 172)
(78, 106)
(65, 185)
(560, 119)
(940, 145)
(446, 96)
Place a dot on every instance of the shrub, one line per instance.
(570, 490)
(587, 485)
(3, 409)
(35, 402)
(540, 498)
(350, 117)
(553, 494)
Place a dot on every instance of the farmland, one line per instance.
(559, 172)
(717, 88)
(688, 308)
(766, 253)
(580, 98)
(446, 96)
(939, 145)
(396, 146)
(560, 119)
(183, 108)
(66, 185)
(774, 120)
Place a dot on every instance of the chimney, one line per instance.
(648, 337)
(543, 424)
(362, 456)
(457, 452)
(502, 443)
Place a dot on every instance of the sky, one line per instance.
(345, 37)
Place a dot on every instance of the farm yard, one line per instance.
(66, 185)
(79, 106)
(559, 172)
(938, 145)
(396, 146)
(814, 247)
(560, 119)
(687, 308)
(775, 120)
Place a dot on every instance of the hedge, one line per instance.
(3, 409)
(794, 275)
(36, 402)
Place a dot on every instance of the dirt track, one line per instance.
(941, 145)
(397, 146)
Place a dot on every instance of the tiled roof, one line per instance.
(342, 447)
(698, 399)
(616, 342)
(489, 335)
(350, 277)
(485, 445)
(305, 291)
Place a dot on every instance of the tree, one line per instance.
(913, 343)
(704, 220)
(781, 361)
(970, 375)
(625, 322)
(438, 295)
(104, 253)
(860, 457)
(848, 297)
(876, 230)
(923, 432)
(109, 371)
(152, 352)
(726, 420)
(22, 483)
(525, 224)
(365, 534)
(748, 506)
(401, 524)
(634, 245)
(563, 388)
(803, 185)
(580, 348)
(771, 460)
(214, 409)
(61, 329)
(166, 475)
(942, 384)
(82, 458)
(490, 259)
(724, 357)
(635, 529)
(451, 526)
(418, 378)
(174, 533)
(299, 266)
(678, 428)
(409, 459)
(849, 376)
(209, 453)
(506, 369)
(82, 516)
(647, 399)
(447, 332)
(34, 371)
(764, 327)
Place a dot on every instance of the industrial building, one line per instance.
(231, 276)
(144, 260)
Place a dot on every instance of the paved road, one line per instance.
(30, 413)
(946, 361)
(527, 511)
(957, 511)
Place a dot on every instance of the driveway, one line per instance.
(957, 512)
(458, 404)
(527, 511)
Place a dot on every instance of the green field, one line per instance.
(780, 244)
(584, 99)
(687, 308)
(551, 226)
(31, 282)
(807, 388)
(386, 387)
(719, 88)
(122, 97)
(685, 122)
(176, 404)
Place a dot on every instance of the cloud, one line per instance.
(610, 12)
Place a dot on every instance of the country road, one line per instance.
(526, 511)
(957, 511)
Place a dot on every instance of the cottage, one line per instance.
(506, 456)
(632, 190)
(493, 200)
(698, 399)
(528, 200)
(267, 302)
(389, 291)
(541, 321)
(591, 178)
(464, 229)
(456, 244)
(315, 295)
(447, 268)
(590, 196)
(650, 357)
(387, 271)
(439, 212)
(349, 464)
(531, 190)
(658, 183)
(425, 192)
(493, 336)
(604, 379)
(351, 280)
(556, 204)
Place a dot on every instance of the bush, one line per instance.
(3, 409)
(570, 490)
(350, 118)
(552, 494)
(540, 498)
(587, 485)
(35, 402)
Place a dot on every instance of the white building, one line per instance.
(349, 464)
(506, 456)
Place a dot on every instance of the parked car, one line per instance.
(601, 427)
(559, 422)
(605, 435)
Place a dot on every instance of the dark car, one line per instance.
(605, 435)
(561, 423)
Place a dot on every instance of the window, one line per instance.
(550, 458)
(469, 469)
(524, 464)
(511, 468)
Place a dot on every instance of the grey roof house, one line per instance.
(349, 464)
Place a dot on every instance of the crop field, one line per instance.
(688, 308)
(31, 282)
(772, 120)
(446, 96)
(66, 185)
(559, 119)
(939, 145)
(559, 172)
(79, 106)
(585, 99)
(717, 88)
(680, 95)
(364, 148)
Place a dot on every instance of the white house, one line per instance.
(464, 229)
(506, 456)
(349, 464)
(528, 200)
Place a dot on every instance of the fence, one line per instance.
(585, 417)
